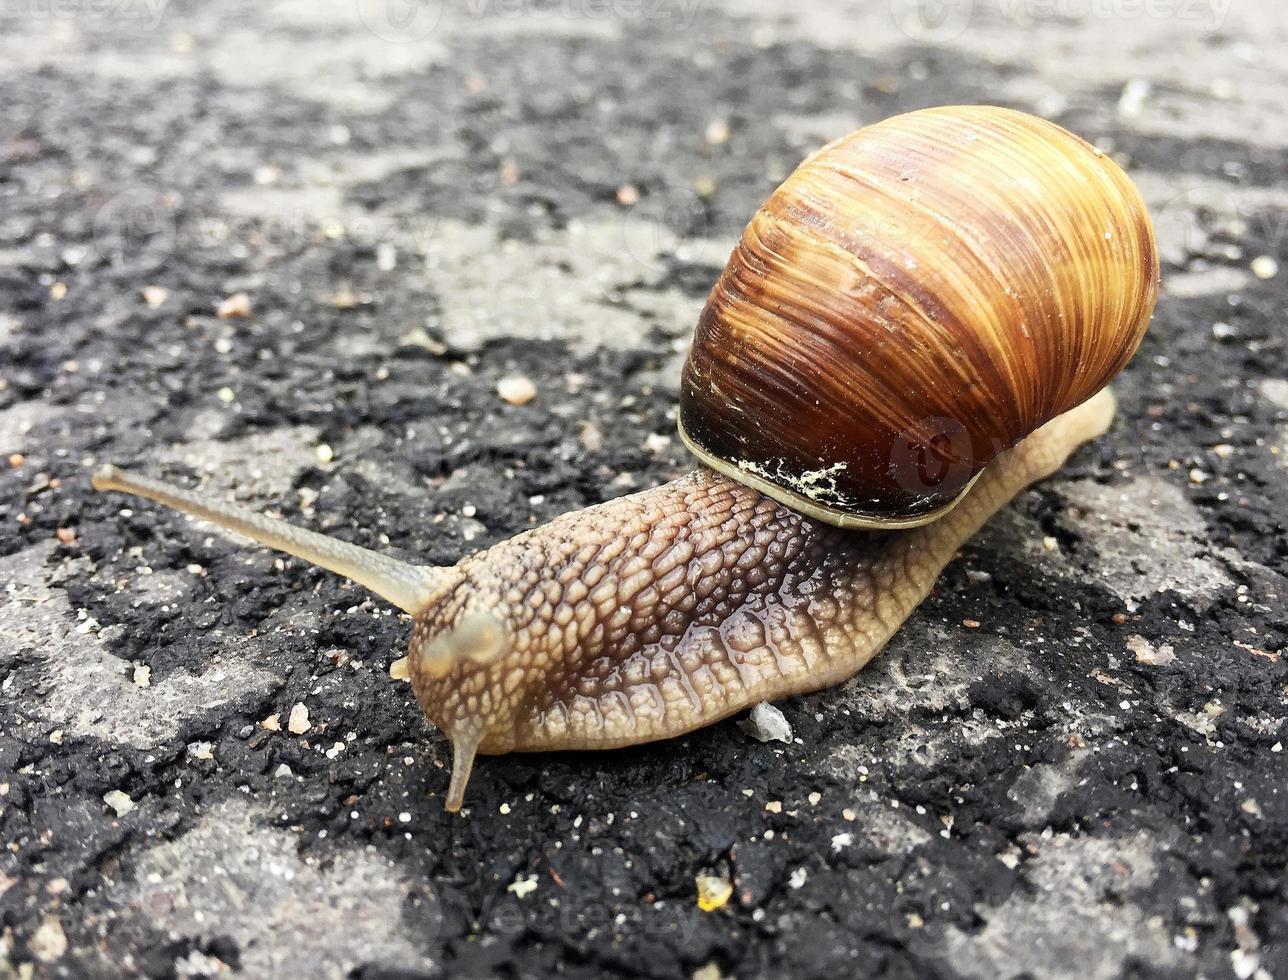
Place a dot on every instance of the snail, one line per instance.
(920, 322)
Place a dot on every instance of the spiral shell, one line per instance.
(915, 298)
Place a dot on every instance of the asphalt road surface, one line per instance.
(287, 251)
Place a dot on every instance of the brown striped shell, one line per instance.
(915, 298)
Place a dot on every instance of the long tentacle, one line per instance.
(409, 587)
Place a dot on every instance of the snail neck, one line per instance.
(1033, 459)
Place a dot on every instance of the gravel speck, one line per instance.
(714, 892)
(118, 801)
(516, 389)
(237, 305)
(766, 723)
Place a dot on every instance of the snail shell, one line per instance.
(914, 299)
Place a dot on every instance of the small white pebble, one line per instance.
(713, 891)
(201, 750)
(1186, 943)
(504, 808)
(335, 750)
(404, 817)
(842, 841)
(522, 886)
(47, 944)
(766, 723)
(118, 801)
(516, 389)
(656, 442)
(1223, 331)
(283, 771)
(1134, 94)
(142, 675)
(324, 453)
(154, 296)
(797, 878)
(298, 721)
(1265, 267)
(236, 305)
(1244, 963)
(226, 395)
(591, 436)
(469, 510)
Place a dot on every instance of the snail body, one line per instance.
(658, 613)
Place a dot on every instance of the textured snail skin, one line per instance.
(654, 614)
(915, 298)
